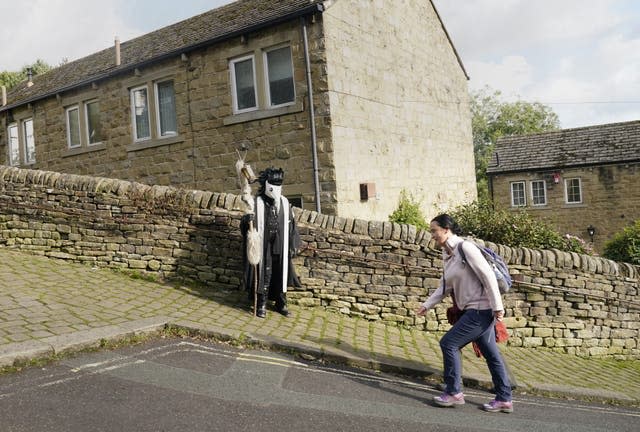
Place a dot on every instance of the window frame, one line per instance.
(566, 190)
(28, 142)
(88, 122)
(533, 195)
(158, 112)
(234, 87)
(74, 107)
(134, 124)
(10, 147)
(267, 82)
(523, 191)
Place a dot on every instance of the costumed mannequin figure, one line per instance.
(276, 227)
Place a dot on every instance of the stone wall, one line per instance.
(400, 116)
(610, 199)
(373, 270)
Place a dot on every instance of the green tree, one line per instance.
(625, 245)
(9, 79)
(492, 119)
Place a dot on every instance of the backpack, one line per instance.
(496, 262)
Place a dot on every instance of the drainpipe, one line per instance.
(312, 116)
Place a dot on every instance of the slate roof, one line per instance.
(592, 145)
(201, 30)
(216, 25)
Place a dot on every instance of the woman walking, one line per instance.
(475, 291)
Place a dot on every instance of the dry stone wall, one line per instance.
(373, 270)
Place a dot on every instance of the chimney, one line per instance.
(117, 42)
(29, 77)
(4, 96)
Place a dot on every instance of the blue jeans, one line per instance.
(474, 325)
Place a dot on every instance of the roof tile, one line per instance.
(592, 145)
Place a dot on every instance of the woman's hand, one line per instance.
(498, 314)
(421, 311)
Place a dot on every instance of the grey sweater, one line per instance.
(473, 282)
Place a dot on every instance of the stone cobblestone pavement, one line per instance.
(50, 306)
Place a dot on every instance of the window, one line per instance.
(518, 198)
(243, 82)
(140, 112)
(94, 128)
(166, 102)
(14, 149)
(538, 193)
(263, 80)
(29, 142)
(84, 125)
(153, 111)
(73, 127)
(573, 191)
(280, 76)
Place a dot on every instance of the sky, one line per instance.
(579, 57)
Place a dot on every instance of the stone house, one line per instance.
(584, 181)
(355, 99)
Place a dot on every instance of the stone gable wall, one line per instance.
(399, 103)
(370, 269)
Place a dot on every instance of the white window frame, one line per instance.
(87, 123)
(157, 109)
(28, 142)
(524, 193)
(544, 193)
(566, 190)
(133, 113)
(234, 89)
(67, 111)
(266, 76)
(11, 145)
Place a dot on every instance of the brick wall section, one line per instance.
(370, 269)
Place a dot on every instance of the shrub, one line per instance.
(517, 229)
(408, 211)
(625, 245)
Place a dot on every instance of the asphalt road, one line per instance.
(190, 385)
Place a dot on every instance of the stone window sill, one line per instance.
(263, 114)
(156, 142)
(82, 150)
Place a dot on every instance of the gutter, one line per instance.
(299, 13)
(561, 167)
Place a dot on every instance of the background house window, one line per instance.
(538, 192)
(73, 127)
(166, 102)
(518, 198)
(94, 128)
(140, 112)
(14, 149)
(573, 191)
(243, 82)
(29, 142)
(280, 76)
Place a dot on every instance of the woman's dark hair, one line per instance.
(446, 221)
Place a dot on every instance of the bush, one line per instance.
(408, 212)
(516, 229)
(625, 245)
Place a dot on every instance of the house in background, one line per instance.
(584, 181)
(355, 100)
